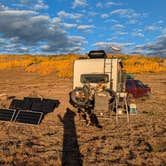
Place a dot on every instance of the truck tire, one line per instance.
(79, 97)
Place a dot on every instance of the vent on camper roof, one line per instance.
(97, 54)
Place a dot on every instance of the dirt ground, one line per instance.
(62, 139)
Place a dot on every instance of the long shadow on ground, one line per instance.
(71, 154)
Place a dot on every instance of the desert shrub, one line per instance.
(139, 64)
(62, 65)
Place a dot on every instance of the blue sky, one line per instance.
(77, 26)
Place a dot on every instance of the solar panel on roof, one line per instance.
(6, 114)
(30, 117)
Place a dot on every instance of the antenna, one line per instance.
(115, 48)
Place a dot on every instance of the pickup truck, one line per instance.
(136, 88)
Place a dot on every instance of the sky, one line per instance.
(78, 26)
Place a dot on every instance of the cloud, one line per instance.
(56, 20)
(105, 15)
(117, 26)
(113, 4)
(28, 29)
(72, 44)
(107, 45)
(27, 1)
(16, 13)
(160, 22)
(156, 47)
(28, 4)
(132, 21)
(138, 34)
(85, 28)
(79, 3)
(92, 13)
(151, 28)
(163, 31)
(62, 14)
(41, 5)
(107, 4)
(99, 5)
(67, 25)
(126, 13)
(121, 33)
(3, 7)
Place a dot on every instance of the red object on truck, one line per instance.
(136, 88)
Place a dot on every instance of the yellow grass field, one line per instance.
(62, 66)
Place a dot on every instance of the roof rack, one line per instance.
(95, 54)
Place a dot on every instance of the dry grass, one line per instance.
(62, 65)
(140, 142)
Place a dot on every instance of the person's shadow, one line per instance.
(71, 154)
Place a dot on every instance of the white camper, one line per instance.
(96, 83)
(104, 70)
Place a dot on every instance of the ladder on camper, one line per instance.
(109, 64)
(121, 105)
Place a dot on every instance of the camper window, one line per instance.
(94, 78)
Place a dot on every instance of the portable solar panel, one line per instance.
(49, 105)
(32, 99)
(30, 117)
(31, 110)
(36, 103)
(45, 105)
(16, 104)
(6, 114)
(37, 106)
(53, 103)
(20, 104)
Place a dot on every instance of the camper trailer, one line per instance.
(96, 81)
(108, 71)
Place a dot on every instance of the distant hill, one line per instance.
(62, 65)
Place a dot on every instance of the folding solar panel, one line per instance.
(29, 110)
(20, 104)
(48, 105)
(51, 103)
(16, 104)
(30, 117)
(45, 105)
(6, 114)
(37, 106)
(32, 99)
(35, 103)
